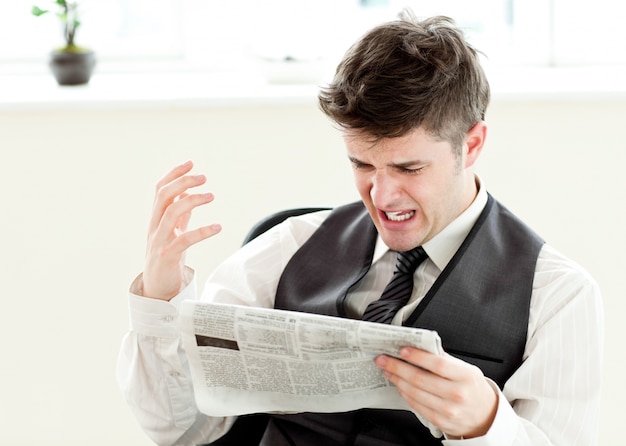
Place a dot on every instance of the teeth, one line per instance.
(399, 216)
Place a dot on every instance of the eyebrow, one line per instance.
(355, 160)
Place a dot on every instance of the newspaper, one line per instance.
(250, 360)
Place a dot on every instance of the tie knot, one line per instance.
(408, 261)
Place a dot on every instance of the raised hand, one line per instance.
(168, 236)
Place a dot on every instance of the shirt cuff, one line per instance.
(155, 317)
(503, 430)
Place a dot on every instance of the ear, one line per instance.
(474, 142)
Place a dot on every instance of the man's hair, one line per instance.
(406, 74)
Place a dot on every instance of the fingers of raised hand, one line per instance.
(174, 173)
(172, 226)
(168, 234)
(173, 192)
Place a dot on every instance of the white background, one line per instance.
(77, 169)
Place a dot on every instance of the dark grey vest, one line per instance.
(479, 306)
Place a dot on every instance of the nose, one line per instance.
(385, 190)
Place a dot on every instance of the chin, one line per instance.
(399, 242)
(402, 238)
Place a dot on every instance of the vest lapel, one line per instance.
(335, 258)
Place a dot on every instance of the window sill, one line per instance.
(597, 83)
(144, 90)
(186, 90)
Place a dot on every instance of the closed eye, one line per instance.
(408, 171)
(412, 167)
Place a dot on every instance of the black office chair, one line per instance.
(278, 217)
(248, 429)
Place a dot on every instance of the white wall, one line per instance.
(77, 189)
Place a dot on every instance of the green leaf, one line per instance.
(36, 11)
(62, 3)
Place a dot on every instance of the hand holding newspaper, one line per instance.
(252, 360)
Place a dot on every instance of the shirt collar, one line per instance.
(442, 246)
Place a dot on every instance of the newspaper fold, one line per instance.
(251, 360)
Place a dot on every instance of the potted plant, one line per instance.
(70, 64)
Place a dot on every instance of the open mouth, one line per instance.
(399, 215)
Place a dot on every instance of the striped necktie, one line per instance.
(398, 291)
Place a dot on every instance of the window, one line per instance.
(588, 32)
(117, 29)
(235, 35)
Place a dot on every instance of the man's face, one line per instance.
(413, 186)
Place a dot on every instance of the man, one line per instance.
(520, 323)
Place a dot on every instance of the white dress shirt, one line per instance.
(552, 399)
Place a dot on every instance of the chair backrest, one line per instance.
(278, 217)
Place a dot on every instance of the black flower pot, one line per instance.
(72, 68)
